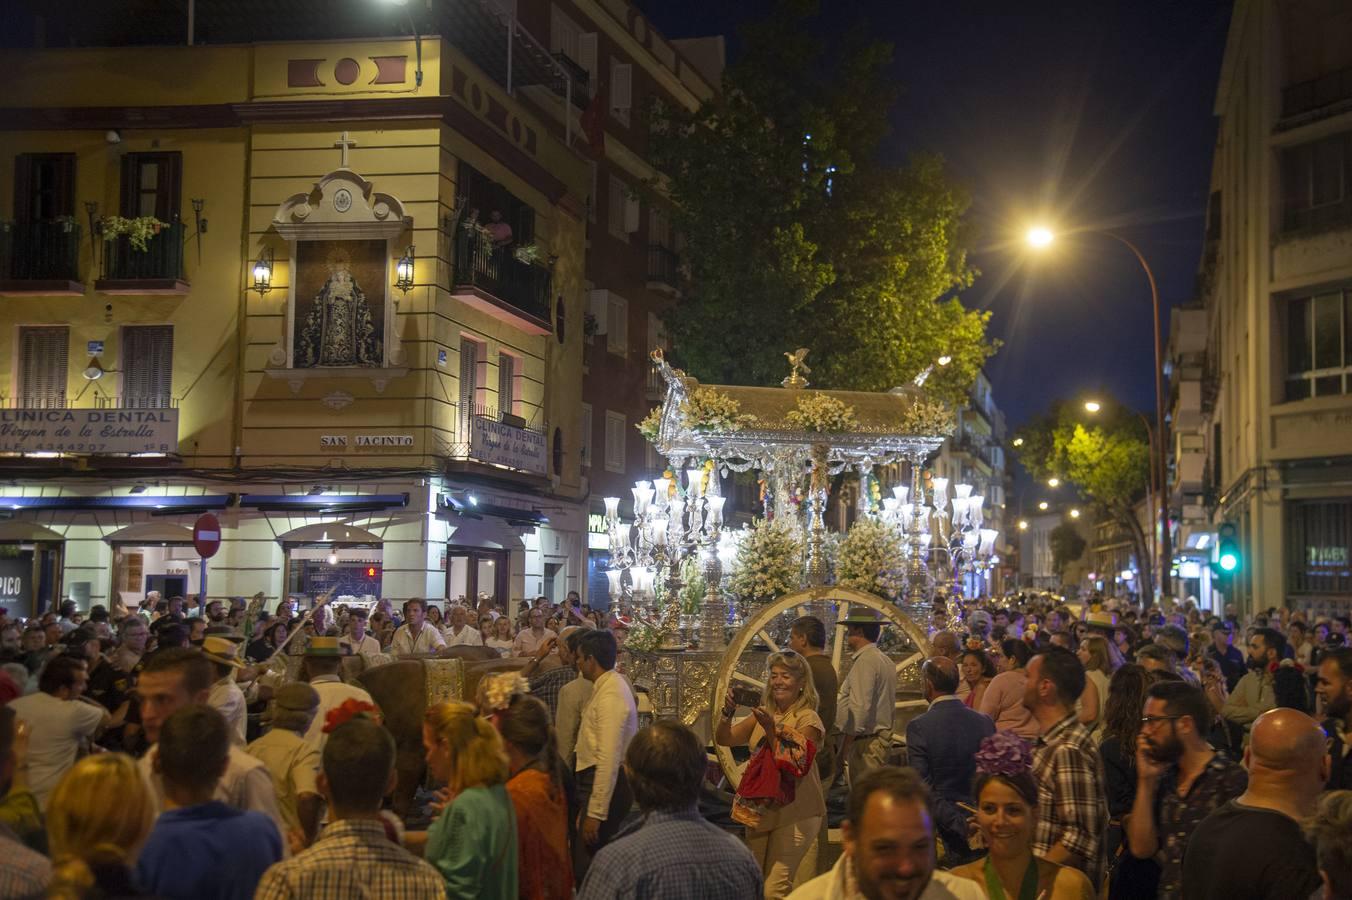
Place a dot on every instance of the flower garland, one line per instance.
(927, 417)
(821, 413)
(769, 562)
(650, 425)
(870, 559)
(708, 409)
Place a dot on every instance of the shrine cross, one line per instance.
(344, 142)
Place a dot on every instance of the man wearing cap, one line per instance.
(323, 659)
(867, 698)
(292, 761)
(226, 697)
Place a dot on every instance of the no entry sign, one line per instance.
(206, 535)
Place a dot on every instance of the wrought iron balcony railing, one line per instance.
(663, 266)
(40, 251)
(495, 271)
(162, 260)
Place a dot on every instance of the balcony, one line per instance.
(494, 281)
(40, 258)
(654, 388)
(156, 270)
(1318, 94)
(580, 77)
(483, 435)
(664, 268)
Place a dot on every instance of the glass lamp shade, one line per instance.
(962, 490)
(959, 511)
(613, 577)
(988, 536)
(925, 513)
(969, 540)
(716, 510)
(643, 495)
(974, 516)
(657, 534)
(890, 506)
(404, 272)
(662, 492)
(907, 516)
(643, 580)
(612, 508)
(940, 486)
(901, 492)
(262, 274)
(694, 483)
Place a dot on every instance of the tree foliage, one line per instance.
(1106, 459)
(1067, 546)
(797, 232)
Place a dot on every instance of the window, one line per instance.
(657, 335)
(622, 210)
(44, 186)
(617, 325)
(616, 435)
(43, 354)
(1319, 345)
(585, 428)
(621, 90)
(484, 196)
(567, 38)
(147, 366)
(1315, 185)
(151, 184)
(1319, 535)
(471, 384)
(508, 393)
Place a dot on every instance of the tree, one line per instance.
(797, 233)
(1067, 546)
(1107, 461)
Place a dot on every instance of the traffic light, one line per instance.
(1227, 549)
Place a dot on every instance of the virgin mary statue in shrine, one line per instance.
(339, 330)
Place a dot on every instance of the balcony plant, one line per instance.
(139, 230)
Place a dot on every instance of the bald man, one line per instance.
(1252, 847)
(941, 745)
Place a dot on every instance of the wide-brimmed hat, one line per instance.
(1101, 619)
(323, 645)
(221, 650)
(863, 615)
(294, 705)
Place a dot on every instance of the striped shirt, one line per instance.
(353, 860)
(1072, 806)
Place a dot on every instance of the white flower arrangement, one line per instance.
(820, 412)
(769, 562)
(870, 559)
(708, 409)
(927, 417)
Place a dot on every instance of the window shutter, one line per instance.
(631, 214)
(615, 441)
(586, 428)
(617, 326)
(147, 366)
(506, 383)
(621, 88)
(469, 372)
(586, 54)
(44, 355)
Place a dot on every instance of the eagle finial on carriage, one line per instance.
(797, 369)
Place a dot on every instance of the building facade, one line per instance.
(327, 286)
(1272, 409)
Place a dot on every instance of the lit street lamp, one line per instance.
(1092, 406)
(1043, 505)
(1038, 238)
(1053, 482)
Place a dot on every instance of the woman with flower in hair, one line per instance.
(473, 842)
(539, 788)
(1006, 816)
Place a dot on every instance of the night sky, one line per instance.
(1087, 114)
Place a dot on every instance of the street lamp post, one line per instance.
(1040, 237)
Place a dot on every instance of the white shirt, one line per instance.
(405, 643)
(502, 645)
(573, 698)
(839, 884)
(333, 693)
(57, 727)
(245, 785)
(609, 722)
(868, 698)
(228, 700)
(527, 643)
(369, 646)
(468, 637)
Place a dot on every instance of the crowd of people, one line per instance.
(1062, 752)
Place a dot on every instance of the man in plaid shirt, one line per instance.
(354, 858)
(1072, 807)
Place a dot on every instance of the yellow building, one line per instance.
(355, 338)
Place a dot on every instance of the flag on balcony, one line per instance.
(593, 123)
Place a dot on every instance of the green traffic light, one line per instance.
(1229, 562)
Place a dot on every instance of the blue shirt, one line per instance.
(675, 856)
(208, 852)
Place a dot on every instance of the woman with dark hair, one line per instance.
(1003, 697)
(1006, 816)
(262, 649)
(977, 671)
(538, 786)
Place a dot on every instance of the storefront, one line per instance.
(332, 557)
(154, 556)
(471, 571)
(30, 568)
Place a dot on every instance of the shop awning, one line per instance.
(164, 506)
(323, 504)
(468, 508)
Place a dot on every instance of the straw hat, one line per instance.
(323, 645)
(221, 650)
(863, 615)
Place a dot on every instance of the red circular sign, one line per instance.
(206, 535)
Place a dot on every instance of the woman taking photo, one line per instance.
(977, 671)
(779, 835)
(538, 788)
(98, 817)
(1006, 815)
(473, 842)
(1003, 698)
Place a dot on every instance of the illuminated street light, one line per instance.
(1023, 524)
(1043, 505)
(944, 360)
(1092, 406)
(1018, 442)
(1039, 237)
(1053, 482)
(1074, 513)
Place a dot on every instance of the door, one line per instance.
(470, 571)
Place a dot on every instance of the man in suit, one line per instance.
(941, 745)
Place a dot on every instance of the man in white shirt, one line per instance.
(608, 724)
(868, 697)
(323, 659)
(530, 639)
(226, 696)
(573, 698)
(172, 679)
(358, 642)
(59, 721)
(459, 633)
(888, 846)
(414, 636)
